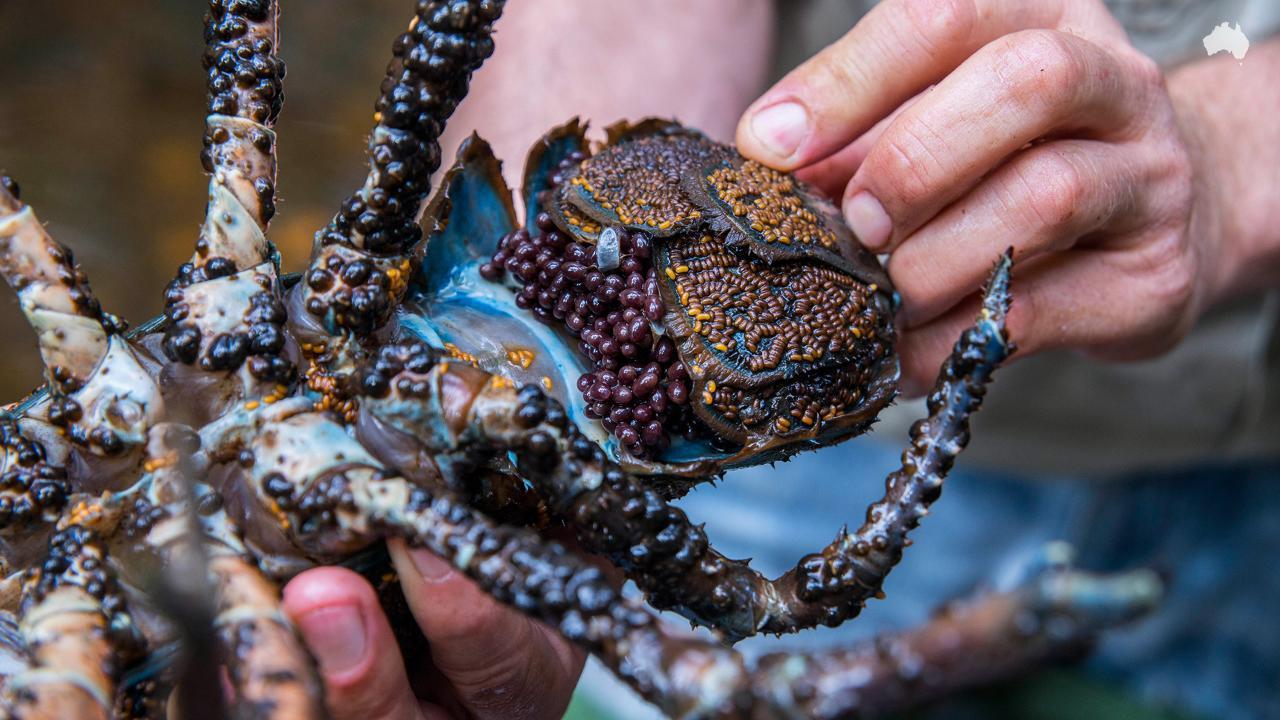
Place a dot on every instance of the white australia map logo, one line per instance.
(1228, 39)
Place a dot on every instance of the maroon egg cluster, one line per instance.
(639, 390)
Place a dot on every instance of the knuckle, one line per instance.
(901, 166)
(1178, 278)
(1177, 175)
(1144, 92)
(937, 25)
(1038, 68)
(456, 611)
(832, 74)
(1144, 69)
(479, 620)
(1171, 280)
(834, 70)
(917, 280)
(1056, 189)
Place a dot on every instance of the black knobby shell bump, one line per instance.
(30, 486)
(400, 365)
(241, 67)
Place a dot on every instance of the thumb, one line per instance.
(339, 617)
(500, 663)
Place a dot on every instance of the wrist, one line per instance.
(1232, 145)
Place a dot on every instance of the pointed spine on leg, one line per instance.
(224, 307)
(77, 634)
(101, 396)
(362, 260)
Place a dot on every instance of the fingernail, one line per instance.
(868, 220)
(781, 127)
(430, 566)
(336, 635)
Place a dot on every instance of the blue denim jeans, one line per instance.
(1213, 648)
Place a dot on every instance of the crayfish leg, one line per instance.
(53, 292)
(101, 395)
(362, 260)
(993, 637)
(1055, 615)
(224, 308)
(76, 631)
(273, 675)
(245, 94)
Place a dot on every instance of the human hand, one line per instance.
(487, 660)
(954, 129)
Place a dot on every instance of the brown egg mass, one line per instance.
(750, 332)
(637, 183)
(768, 201)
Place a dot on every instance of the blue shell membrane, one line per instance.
(544, 160)
(453, 308)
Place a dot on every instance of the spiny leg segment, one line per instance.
(76, 631)
(100, 395)
(224, 307)
(226, 313)
(1054, 613)
(362, 260)
(185, 527)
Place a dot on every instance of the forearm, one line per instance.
(702, 62)
(1230, 113)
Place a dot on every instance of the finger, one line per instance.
(501, 664)
(1113, 304)
(338, 614)
(1022, 87)
(832, 174)
(898, 49)
(1044, 199)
